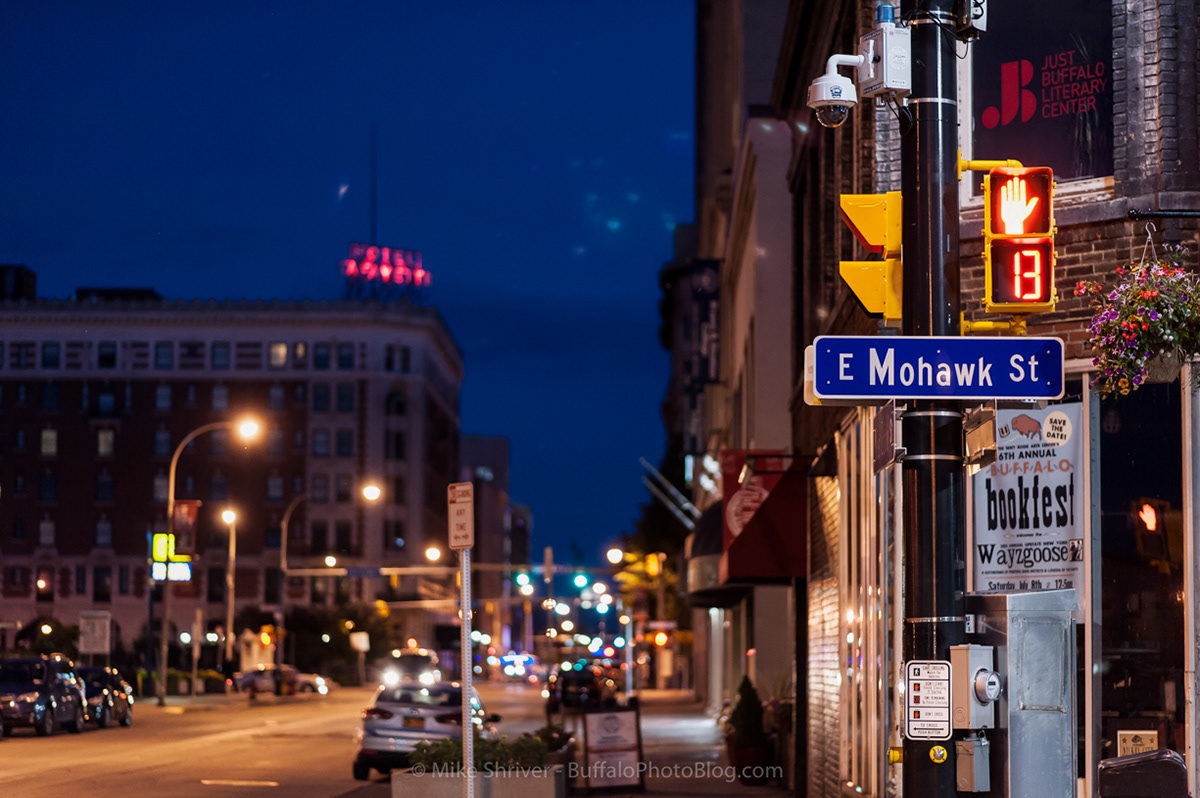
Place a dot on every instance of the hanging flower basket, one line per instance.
(1146, 326)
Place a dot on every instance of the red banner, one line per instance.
(184, 525)
(744, 493)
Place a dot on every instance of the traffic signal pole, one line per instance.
(933, 478)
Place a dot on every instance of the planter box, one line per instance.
(547, 782)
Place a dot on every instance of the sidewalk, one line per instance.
(684, 751)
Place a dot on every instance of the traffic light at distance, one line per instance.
(1018, 240)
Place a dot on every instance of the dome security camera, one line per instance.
(832, 95)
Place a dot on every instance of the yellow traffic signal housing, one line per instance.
(1018, 240)
(875, 220)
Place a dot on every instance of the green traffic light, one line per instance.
(522, 579)
(581, 580)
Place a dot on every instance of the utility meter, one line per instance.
(976, 687)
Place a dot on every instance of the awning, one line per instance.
(704, 587)
(773, 546)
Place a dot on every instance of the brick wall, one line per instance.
(824, 691)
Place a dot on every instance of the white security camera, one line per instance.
(832, 95)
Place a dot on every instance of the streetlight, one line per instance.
(230, 517)
(330, 560)
(371, 492)
(433, 554)
(248, 429)
(47, 629)
(599, 588)
(615, 555)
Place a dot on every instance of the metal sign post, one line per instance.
(461, 505)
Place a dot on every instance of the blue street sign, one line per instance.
(926, 367)
(362, 572)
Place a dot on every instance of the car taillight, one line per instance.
(376, 712)
(456, 719)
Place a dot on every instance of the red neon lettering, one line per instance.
(369, 269)
(1034, 258)
(350, 267)
(385, 272)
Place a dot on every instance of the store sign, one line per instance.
(1029, 514)
(747, 478)
(1043, 93)
(384, 265)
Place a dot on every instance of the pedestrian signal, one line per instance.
(1018, 236)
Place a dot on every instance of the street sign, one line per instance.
(927, 700)
(928, 367)
(362, 571)
(461, 500)
(95, 628)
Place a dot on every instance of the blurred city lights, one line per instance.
(615, 555)
(581, 580)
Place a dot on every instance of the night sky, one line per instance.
(538, 154)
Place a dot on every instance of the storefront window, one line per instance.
(1141, 496)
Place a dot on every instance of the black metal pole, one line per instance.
(933, 480)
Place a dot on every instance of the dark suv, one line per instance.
(42, 692)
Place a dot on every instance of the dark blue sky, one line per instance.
(538, 154)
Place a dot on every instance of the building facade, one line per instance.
(97, 393)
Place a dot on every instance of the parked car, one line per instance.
(269, 679)
(42, 692)
(109, 696)
(403, 715)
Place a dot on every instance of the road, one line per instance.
(301, 747)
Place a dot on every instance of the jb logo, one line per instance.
(1014, 77)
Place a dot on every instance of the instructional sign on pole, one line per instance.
(461, 497)
(927, 700)
(95, 632)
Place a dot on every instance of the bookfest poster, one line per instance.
(1029, 516)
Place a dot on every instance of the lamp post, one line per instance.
(248, 429)
(230, 517)
(371, 492)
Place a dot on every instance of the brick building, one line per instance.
(97, 392)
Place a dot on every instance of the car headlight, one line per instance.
(27, 698)
(426, 678)
(320, 680)
(391, 678)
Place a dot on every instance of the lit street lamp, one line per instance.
(230, 517)
(433, 554)
(615, 555)
(248, 429)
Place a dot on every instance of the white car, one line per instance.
(403, 715)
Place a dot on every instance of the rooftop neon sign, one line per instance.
(385, 265)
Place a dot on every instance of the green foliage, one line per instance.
(747, 718)
(500, 753)
(553, 736)
(1154, 309)
(61, 639)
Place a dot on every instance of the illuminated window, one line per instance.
(345, 443)
(321, 357)
(345, 357)
(50, 355)
(104, 533)
(50, 396)
(160, 488)
(277, 396)
(345, 397)
(162, 442)
(277, 353)
(320, 443)
(220, 397)
(106, 355)
(162, 397)
(320, 488)
(220, 355)
(105, 442)
(274, 487)
(49, 443)
(299, 355)
(164, 355)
